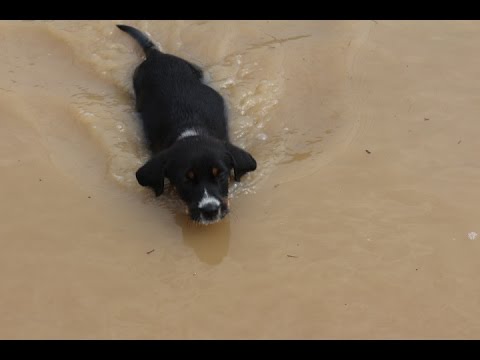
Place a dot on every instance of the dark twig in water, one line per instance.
(292, 256)
(368, 151)
(149, 252)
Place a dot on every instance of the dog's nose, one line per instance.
(210, 211)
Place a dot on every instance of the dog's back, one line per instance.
(172, 99)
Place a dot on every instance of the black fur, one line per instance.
(172, 98)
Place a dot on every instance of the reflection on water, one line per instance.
(210, 243)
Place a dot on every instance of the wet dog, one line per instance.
(186, 128)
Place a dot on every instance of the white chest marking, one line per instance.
(187, 133)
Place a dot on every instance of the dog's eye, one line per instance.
(190, 175)
(219, 174)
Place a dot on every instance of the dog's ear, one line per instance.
(152, 174)
(241, 161)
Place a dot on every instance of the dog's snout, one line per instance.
(210, 211)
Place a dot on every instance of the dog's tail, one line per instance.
(146, 44)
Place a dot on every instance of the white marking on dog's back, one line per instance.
(187, 133)
(207, 199)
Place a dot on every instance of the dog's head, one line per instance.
(199, 169)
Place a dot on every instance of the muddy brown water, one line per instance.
(360, 222)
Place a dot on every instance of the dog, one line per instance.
(186, 128)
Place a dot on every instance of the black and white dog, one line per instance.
(186, 127)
